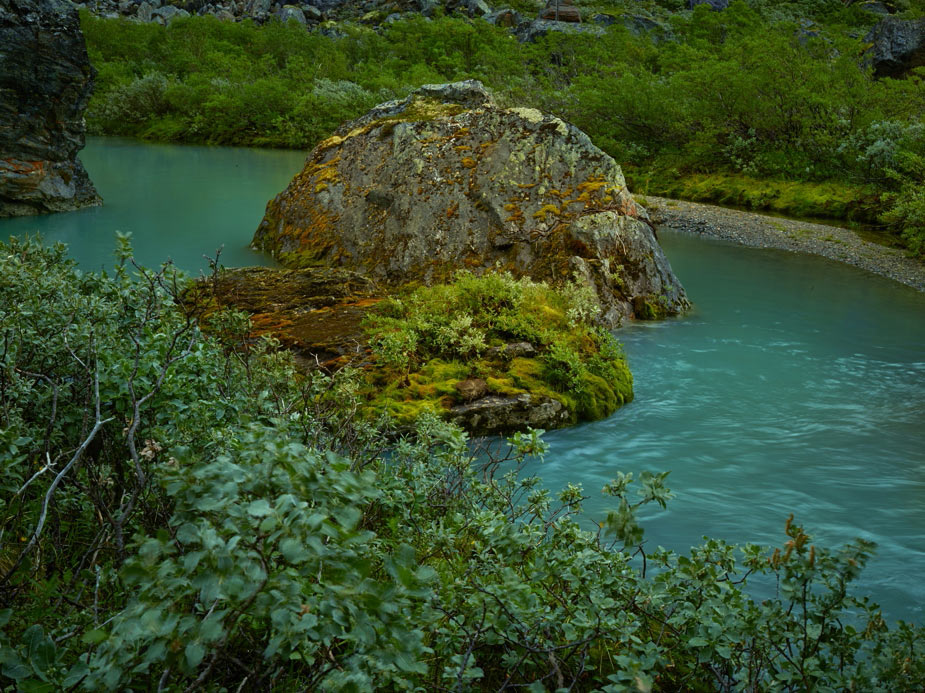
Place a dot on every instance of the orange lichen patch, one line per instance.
(516, 212)
(313, 240)
(463, 148)
(468, 162)
(327, 173)
(332, 141)
(462, 132)
(526, 186)
(452, 210)
(592, 185)
(320, 187)
(473, 260)
(546, 210)
(268, 323)
(24, 167)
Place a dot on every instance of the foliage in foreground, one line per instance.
(186, 513)
(756, 91)
(512, 336)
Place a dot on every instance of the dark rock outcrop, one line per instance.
(897, 46)
(715, 5)
(505, 17)
(637, 24)
(531, 31)
(45, 84)
(446, 180)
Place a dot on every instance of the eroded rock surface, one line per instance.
(446, 180)
(498, 415)
(45, 83)
(316, 313)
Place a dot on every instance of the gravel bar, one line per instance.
(761, 231)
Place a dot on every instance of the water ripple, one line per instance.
(793, 403)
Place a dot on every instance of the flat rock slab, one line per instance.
(316, 313)
(498, 415)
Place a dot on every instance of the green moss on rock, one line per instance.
(535, 349)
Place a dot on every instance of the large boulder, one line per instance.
(445, 179)
(896, 46)
(287, 12)
(167, 13)
(45, 83)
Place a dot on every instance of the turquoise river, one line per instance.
(795, 385)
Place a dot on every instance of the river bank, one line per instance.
(761, 231)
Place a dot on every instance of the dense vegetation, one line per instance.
(185, 512)
(764, 104)
(494, 334)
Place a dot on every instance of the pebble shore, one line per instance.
(761, 231)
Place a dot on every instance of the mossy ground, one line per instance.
(515, 336)
(831, 200)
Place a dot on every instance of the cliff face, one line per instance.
(445, 180)
(45, 83)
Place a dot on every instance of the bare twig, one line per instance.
(100, 422)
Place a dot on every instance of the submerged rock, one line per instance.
(45, 84)
(446, 180)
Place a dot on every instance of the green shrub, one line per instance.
(276, 542)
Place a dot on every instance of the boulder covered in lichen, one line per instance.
(45, 84)
(446, 180)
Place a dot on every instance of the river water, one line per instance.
(795, 385)
(179, 203)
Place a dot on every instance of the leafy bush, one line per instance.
(436, 337)
(275, 542)
(907, 205)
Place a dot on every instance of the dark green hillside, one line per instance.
(765, 92)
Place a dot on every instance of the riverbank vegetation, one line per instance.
(186, 512)
(760, 91)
